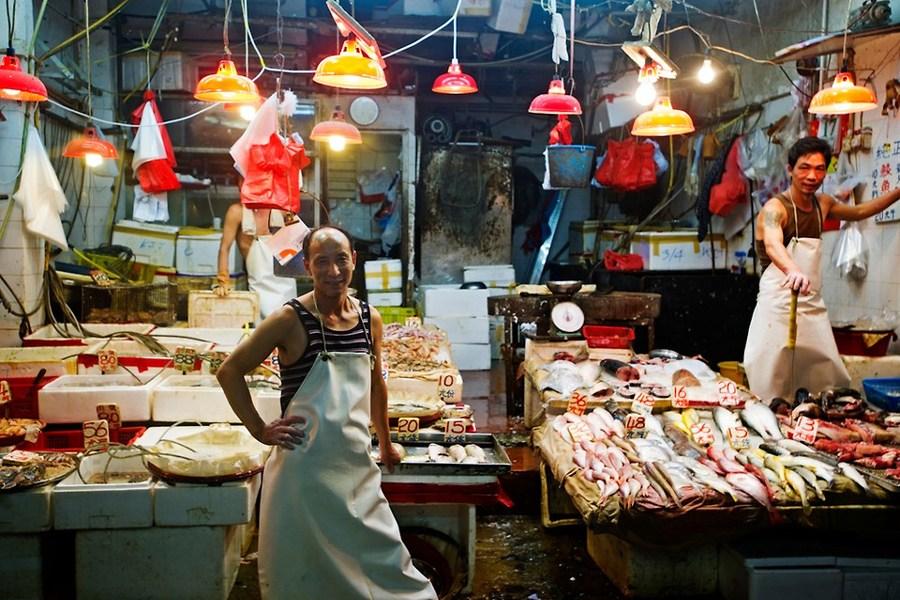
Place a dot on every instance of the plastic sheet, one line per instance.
(851, 254)
(216, 451)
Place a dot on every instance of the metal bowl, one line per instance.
(565, 288)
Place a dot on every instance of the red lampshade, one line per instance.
(843, 97)
(454, 81)
(350, 69)
(225, 85)
(556, 101)
(90, 147)
(336, 131)
(15, 84)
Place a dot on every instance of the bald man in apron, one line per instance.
(789, 246)
(326, 529)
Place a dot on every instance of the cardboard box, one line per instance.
(463, 330)
(197, 252)
(510, 15)
(383, 275)
(471, 357)
(493, 276)
(385, 298)
(452, 302)
(152, 244)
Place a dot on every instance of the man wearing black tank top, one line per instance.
(788, 236)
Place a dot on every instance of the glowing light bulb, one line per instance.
(645, 93)
(707, 73)
(11, 92)
(93, 159)
(247, 112)
(337, 143)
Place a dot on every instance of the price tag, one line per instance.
(702, 434)
(635, 425)
(413, 322)
(680, 396)
(5, 395)
(455, 430)
(215, 361)
(728, 393)
(408, 428)
(100, 278)
(110, 413)
(643, 404)
(577, 404)
(96, 433)
(185, 359)
(580, 432)
(108, 361)
(446, 391)
(806, 430)
(739, 437)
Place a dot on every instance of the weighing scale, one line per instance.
(566, 320)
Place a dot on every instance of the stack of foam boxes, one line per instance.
(500, 281)
(462, 314)
(384, 282)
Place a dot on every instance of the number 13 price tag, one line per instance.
(806, 430)
(408, 428)
(455, 430)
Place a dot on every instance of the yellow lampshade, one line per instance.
(843, 97)
(225, 85)
(662, 120)
(350, 69)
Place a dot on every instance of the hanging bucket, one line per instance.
(569, 166)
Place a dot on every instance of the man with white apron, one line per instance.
(326, 529)
(788, 243)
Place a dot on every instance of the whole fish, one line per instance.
(708, 477)
(725, 419)
(761, 418)
(811, 480)
(822, 470)
(793, 446)
(772, 462)
(665, 482)
(799, 486)
(681, 442)
(854, 475)
(751, 486)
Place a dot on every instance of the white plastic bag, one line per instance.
(40, 195)
(851, 255)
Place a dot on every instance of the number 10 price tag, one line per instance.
(408, 428)
(446, 390)
(455, 430)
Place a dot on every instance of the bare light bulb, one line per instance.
(337, 143)
(707, 73)
(247, 112)
(11, 92)
(645, 93)
(93, 160)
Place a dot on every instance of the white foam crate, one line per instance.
(74, 398)
(28, 362)
(185, 505)
(49, 336)
(79, 505)
(201, 398)
(452, 302)
(26, 511)
(493, 276)
(463, 330)
(221, 336)
(137, 357)
(471, 357)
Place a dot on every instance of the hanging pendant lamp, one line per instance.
(16, 84)
(350, 69)
(336, 131)
(90, 147)
(225, 85)
(843, 97)
(556, 101)
(662, 120)
(454, 81)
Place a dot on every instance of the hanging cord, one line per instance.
(225, 29)
(87, 43)
(11, 22)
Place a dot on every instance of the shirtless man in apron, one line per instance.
(326, 530)
(788, 243)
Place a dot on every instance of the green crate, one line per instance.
(395, 314)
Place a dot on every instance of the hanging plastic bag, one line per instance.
(662, 164)
(851, 255)
(40, 195)
(628, 167)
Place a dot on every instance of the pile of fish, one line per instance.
(692, 457)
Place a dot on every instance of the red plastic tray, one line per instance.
(72, 440)
(603, 336)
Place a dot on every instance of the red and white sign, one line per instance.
(806, 430)
(728, 393)
(739, 437)
(702, 434)
(635, 423)
(680, 397)
(577, 404)
(408, 428)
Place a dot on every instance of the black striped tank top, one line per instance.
(355, 339)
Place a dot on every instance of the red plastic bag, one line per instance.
(628, 166)
(613, 261)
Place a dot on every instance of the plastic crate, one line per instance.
(395, 314)
(853, 341)
(24, 392)
(143, 303)
(883, 392)
(206, 309)
(603, 336)
(72, 440)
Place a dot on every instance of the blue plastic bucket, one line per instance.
(883, 392)
(570, 166)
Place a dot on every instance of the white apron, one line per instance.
(326, 529)
(817, 364)
(273, 291)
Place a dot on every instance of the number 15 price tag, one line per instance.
(455, 430)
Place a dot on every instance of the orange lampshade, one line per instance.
(843, 97)
(90, 147)
(556, 101)
(662, 120)
(226, 86)
(454, 81)
(350, 69)
(336, 131)
(15, 84)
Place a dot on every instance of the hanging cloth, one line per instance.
(272, 178)
(154, 158)
(40, 196)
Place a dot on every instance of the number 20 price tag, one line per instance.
(408, 428)
(455, 430)
(728, 394)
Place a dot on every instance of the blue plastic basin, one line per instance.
(883, 392)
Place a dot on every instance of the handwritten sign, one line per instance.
(680, 396)
(728, 393)
(577, 404)
(100, 278)
(806, 430)
(885, 176)
(702, 434)
(95, 433)
(5, 395)
(738, 437)
(446, 390)
(635, 425)
(215, 361)
(110, 413)
(580, 432)
(184, 359)
(408, 428)
(413, 322)
(108, 361)
(455, 430)
(643, 404)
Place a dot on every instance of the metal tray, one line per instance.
(497, 460)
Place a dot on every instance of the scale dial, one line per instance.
(567, 317)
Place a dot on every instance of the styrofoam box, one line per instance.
(26, 511)
(676, 250)
(200, 398)
(583, 236)
(165, 563)
(207, 310)
(511, 16)
(78, 505)
(383, 275)
(197, 252)
(74, 398)
(453, 302)
(493, 276)
(135, 357)
(463, 330)
(220, 336)
(49, 336)
(385, 298)
(152, 244)
(471, 357)
(21, 565)
(28, 362)
(185, 505)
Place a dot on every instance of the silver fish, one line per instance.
(725, 419)
(761, 418)
(851, 472)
